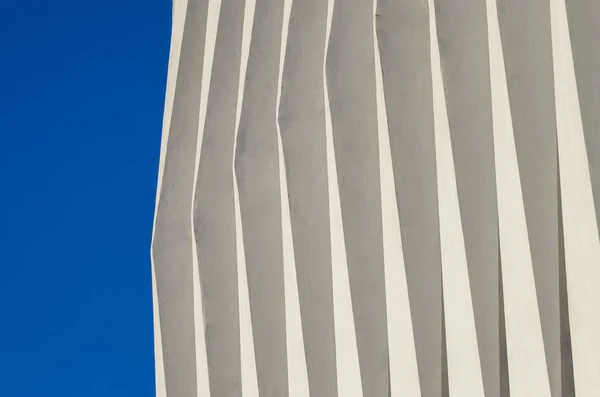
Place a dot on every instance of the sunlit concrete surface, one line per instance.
(379, 198)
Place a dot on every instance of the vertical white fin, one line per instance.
(404, 373)
(464, 367)
(248, 367)
(582, 244)
(347, 364)
(296, 359)
(527, 368)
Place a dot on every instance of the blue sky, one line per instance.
(81, 106)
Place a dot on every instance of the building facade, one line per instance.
(379, 198)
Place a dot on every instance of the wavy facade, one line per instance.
(384, 198)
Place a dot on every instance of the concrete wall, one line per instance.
(365, 198)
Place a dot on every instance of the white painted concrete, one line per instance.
(527, 362)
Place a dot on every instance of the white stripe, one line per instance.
(464, 368)
(525, 349)
(296, 359)
(404, 373)
(348, 370)
(248, 363)
(582, 244)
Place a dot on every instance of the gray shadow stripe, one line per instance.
(584, 27)
(403, 36)
(302, 126)
(214, 210)
(527, 46)
(567, 376)
(350, 71)
(172, 248)
(465, 68)
(257, 172)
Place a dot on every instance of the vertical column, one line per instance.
(214, 211)
(465, 68)
(302, 126)
(351, 85)
(257, 172)
(583, 17)
(575, 86)
(404, 370)
(584, 32)
(178, 22)
(524, 341)
(403, 36)
(527, 47)
(462, 352)
(172, 246)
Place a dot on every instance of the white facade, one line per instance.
(379, 198)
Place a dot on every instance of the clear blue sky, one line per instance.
(81, 101)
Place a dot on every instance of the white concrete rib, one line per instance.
(581, 240)
(159, 363)
(525, 346)
(178, 22)
(347, 364)
(527, 368)
(464, 367)
(202, 376)
(404, 372)
(248, 365)
(296, 359)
